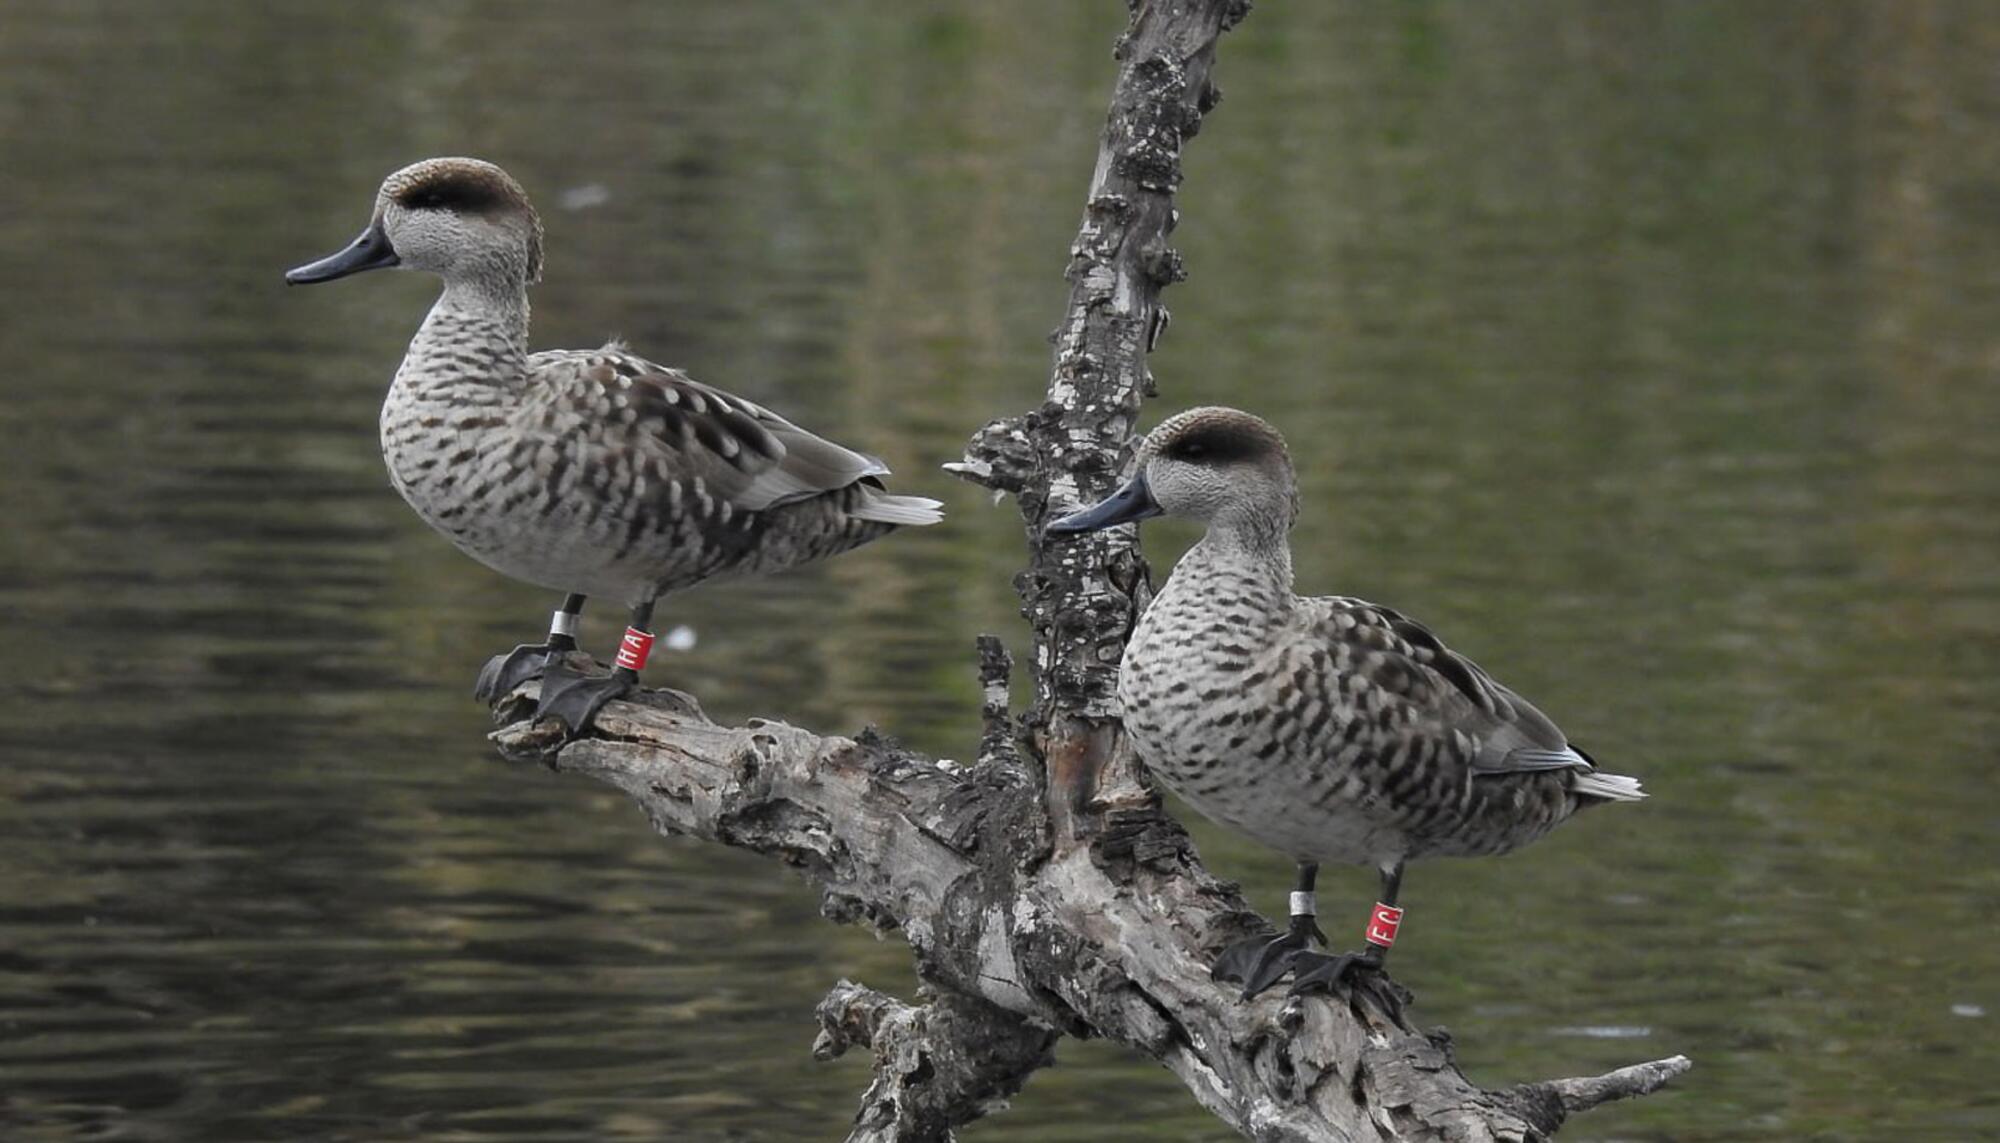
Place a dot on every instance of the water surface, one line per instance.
(1645, 350)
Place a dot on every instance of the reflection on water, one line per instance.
(1646, 350)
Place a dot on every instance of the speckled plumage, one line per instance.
(1321, 727)
(1329, 728)
(601, 473)
(595, 472)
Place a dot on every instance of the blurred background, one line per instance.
(1645, 350)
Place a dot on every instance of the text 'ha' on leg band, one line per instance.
(1382, 925)
(634, 648)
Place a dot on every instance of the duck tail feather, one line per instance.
(1610, 787)
(884, 508)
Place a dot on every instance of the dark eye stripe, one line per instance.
(1216, 445)
(466, 195)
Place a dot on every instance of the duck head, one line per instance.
(1220, 466)
(464, 220)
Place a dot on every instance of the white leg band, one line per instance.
(1304, 904)
(563, 623)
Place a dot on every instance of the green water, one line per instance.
(1647, 351)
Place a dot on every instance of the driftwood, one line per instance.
(1040, 887)
(1022, 935)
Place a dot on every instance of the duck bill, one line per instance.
(1129, 504)
(371, 251)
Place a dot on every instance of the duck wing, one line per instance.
(1426, 684)
(742, 453)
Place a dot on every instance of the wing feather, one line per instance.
(743, 453)
(1446, 689)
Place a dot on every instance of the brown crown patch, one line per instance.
(1216, 435)
(463, 186)
(467, 186)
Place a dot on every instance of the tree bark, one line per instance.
(1041, 888)
(1020, 939)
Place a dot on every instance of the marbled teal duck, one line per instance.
(586, 471)
(1329, 728)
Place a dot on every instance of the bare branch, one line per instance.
(1025, 939)
(1546, 1105)
(936, 1067)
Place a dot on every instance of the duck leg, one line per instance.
(1361, 970)
(575, 698)
(503, 673)
(1261, 962)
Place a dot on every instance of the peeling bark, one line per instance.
(1042, 889)
(936, 1066)
(1020, 941)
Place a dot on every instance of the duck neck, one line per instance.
(1250, 559)
(474, 345)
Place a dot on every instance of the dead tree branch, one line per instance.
(1022, 940)
(1041, 889)
(933, 1064)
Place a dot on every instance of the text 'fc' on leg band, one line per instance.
(1382, 925)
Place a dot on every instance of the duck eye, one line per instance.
(1193, 450)
(451, 194)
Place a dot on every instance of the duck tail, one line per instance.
(885, 508)
(1609, 787)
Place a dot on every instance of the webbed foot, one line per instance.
(575, 699)
(1357, 974)
(502, 673)
(1261, 962)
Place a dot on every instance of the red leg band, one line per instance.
(1382, 925)
(632, 651)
